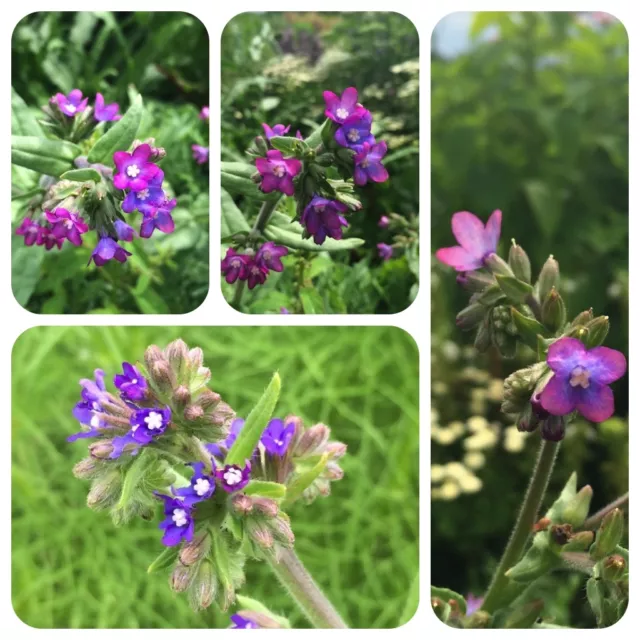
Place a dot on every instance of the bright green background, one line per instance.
(73, 568)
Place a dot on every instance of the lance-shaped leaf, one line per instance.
(23, 122)
(566, 497)
(220, 555)
(320, 134)
(447, 594)
(528, 328)
(492, 294)
(51, 157)
(289, 145)
(249, 604)
(305, 480)
(82, 175)
(234, 182)
(120, 136)
(232, 219)
(535, 563)
(515, 290)
(254, 426)
(164, 560)
(266, 489)
(523, 616)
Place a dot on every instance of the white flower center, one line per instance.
(353, 135)
(68, 223)
(179, 517)
(267, 255)
(365, 163)
(232, 476)
(154, 420)
(201, 486)
(580, 377)
(96, 406)
(278, 171)
(133, 171)
(255, 270)
(144, 194)
(95, 421)
(342, 113)
(279, 442)
(134, 381)
(72, 108)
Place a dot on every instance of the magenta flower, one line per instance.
(235, 266)
(299, 135)
(322, 218)
(160, 219)
(385, 251)
(278, 172)
(473, 603)
(105, 112)
(383, 222)
(67, 225)
(340, 108)
(356, 130)
(47, 238)
(284, 310)
(204, 113)
(269, 256)
(581, 378)
(257, 274)
(108, 249)
(147, 200)
(29, 229)
(233, 478)
(134, 171)
(368, 164)
(476, 242)
(124, 231)
(72, 104)
(278, 130)
(200, 154)
(131, 383)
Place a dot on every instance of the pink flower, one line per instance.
(67, 224)
(368, 161)
(383, 222)
(475, 241)
(278, 172)
(340, 108)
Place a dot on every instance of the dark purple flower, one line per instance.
(277, 436)
(131, 383)
(473, 603)
(368, 164)
(256, 274)
(269, 255)
(147, 200)
(355, 131)
(278, 130)
(72, 104)
(235, 266)
(242, 623)
(47, 238)
(216, 449)
(85, 410)
(178, 524)
(149, 423)
(385, 251)
(201, 488)
(159, 219)
(134, 171)
(340, 108)
(278, 172)
(108, 249)
(105, 112)
(200, 154)
(322, 218)
(581, 378)
(383, 222)
(233, 478)
(124, 231)
(476, 242)
(67, 225)
(29, 229)
(204, 113)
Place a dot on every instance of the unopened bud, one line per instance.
(260, 534)
(256, 177)
(282, 530)
(193, 412)
(263, 620)
(208, 399)
(333, 472)
(520, 263)
(181, 396)
(478, 620)
(527, 421)
(88, 469)
(325, 159)
(204, 587)
(195, 550)
(483, 337)
(474, 281)
(163, 376)
(470, 316)
(152, 355)
(261, 145)
(553, 428)
(195, 358)
(561, 533)
(554, 312)
(497, 265)
(541, 525)
(157, 153)
(105, 491)
(441, 609)
(180, 578)
(242, 504)
(577, 509)
(266, 506)
(313, 441)
(222, 415)
(597, 331)
(177, 354)
(609, 534)
(582, 318)
(613, 568)
(580, 541)
(336, 450)
(101, 449)
(549, 277)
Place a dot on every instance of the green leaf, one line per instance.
(316, 137)
(120, 136)
(516, 290)
(492, 294)
(266, 489)
(134, 477)
(25, 269)
(528, 328)
(232, 220)
(312, 302)
(288, 144)
(51, 157)
(447, 594)
(567, 494)
(164, 559)
(245, 187)
(248, 439)
(305, 480)
(23, 122)
(82, 175)
(240, 169)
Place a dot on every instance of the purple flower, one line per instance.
(277, 436)
(71, 104)
(284, 310)
(473, 603)
(47, 238)
(581, 378)
(159, 219)
(204, 113)
(147, 200)
(257, 274)
(178, 524)
(200, 154)
(105, 112)
(322, 218)
(85, 410)
(368, 164)
(277, 172)
(131, 383)
(278, 130)
(108, 249)
(201, 488)
(242, 623)
(216, 450)
(148, 423)
(235, 266)
(385, 251)
(476, 242)
(67, 225)
(299, 135)
(383, 222)
(269, 255)
(356, 130)
(339, 109)
(134, 171)
(233, 478)
(29, 229)
(124, 231)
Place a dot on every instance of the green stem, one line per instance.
(593, 521)
(237, 295)
(524, 524)
(313, 603)
(267, 208)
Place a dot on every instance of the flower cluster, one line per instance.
(56, 227)
(74, 104)
(254, 268)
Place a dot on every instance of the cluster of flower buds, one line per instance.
(405, 234)
(165, 436)
(200, 153)
(253, 266)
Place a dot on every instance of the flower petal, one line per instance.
(558, 397)
(606, 365)
(492, 231)
(458, 258)
(596, 403)
(469, 232)
(566, 354)
(377, 172)
(349, 97)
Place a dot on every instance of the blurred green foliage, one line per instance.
(165, 57)
(73, 569)
(275, 67)
(533, 121)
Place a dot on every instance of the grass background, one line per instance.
(71, 568)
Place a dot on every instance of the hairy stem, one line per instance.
(237, 295)
(313, 603)
(267, 208)
(593, 521)
(524, 524)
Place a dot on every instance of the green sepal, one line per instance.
(303, 481)
(528, 328)
(249, 604)
(515, 290)
(447, 594)
(266, 489)
(82, 175)
(164, 560)
(289, 145)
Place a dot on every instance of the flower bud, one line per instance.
(208, 399)
(256, 177)
(527, 420)
(470, 316)
(163, 376)
(325, 159)
(241, 504)
(177, 354)
(553, 428)
(474, 281)
(582, 318)
(597, 331)
(261, 145)
(580, 541)
(266, 506)
(520, 263)
(282, 530)
(609, 534)
(260, 533)
(181, 396)
(577, 509)
(613, 568)
(152, 355)
(263, 620)
(549, 277)
(441, 609)
(497, 265)
(101, 449)
(336, 450)
(195, 550)
(195, 358)
(483, 337)
(554, 312)
(180, 578)
(313, 441)
(105, 491)
(204, 586)
(333, 472)
(193, 412)
(523, 616)
(222, 415)
(560, 533)
(478, 620)
(87, 469)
